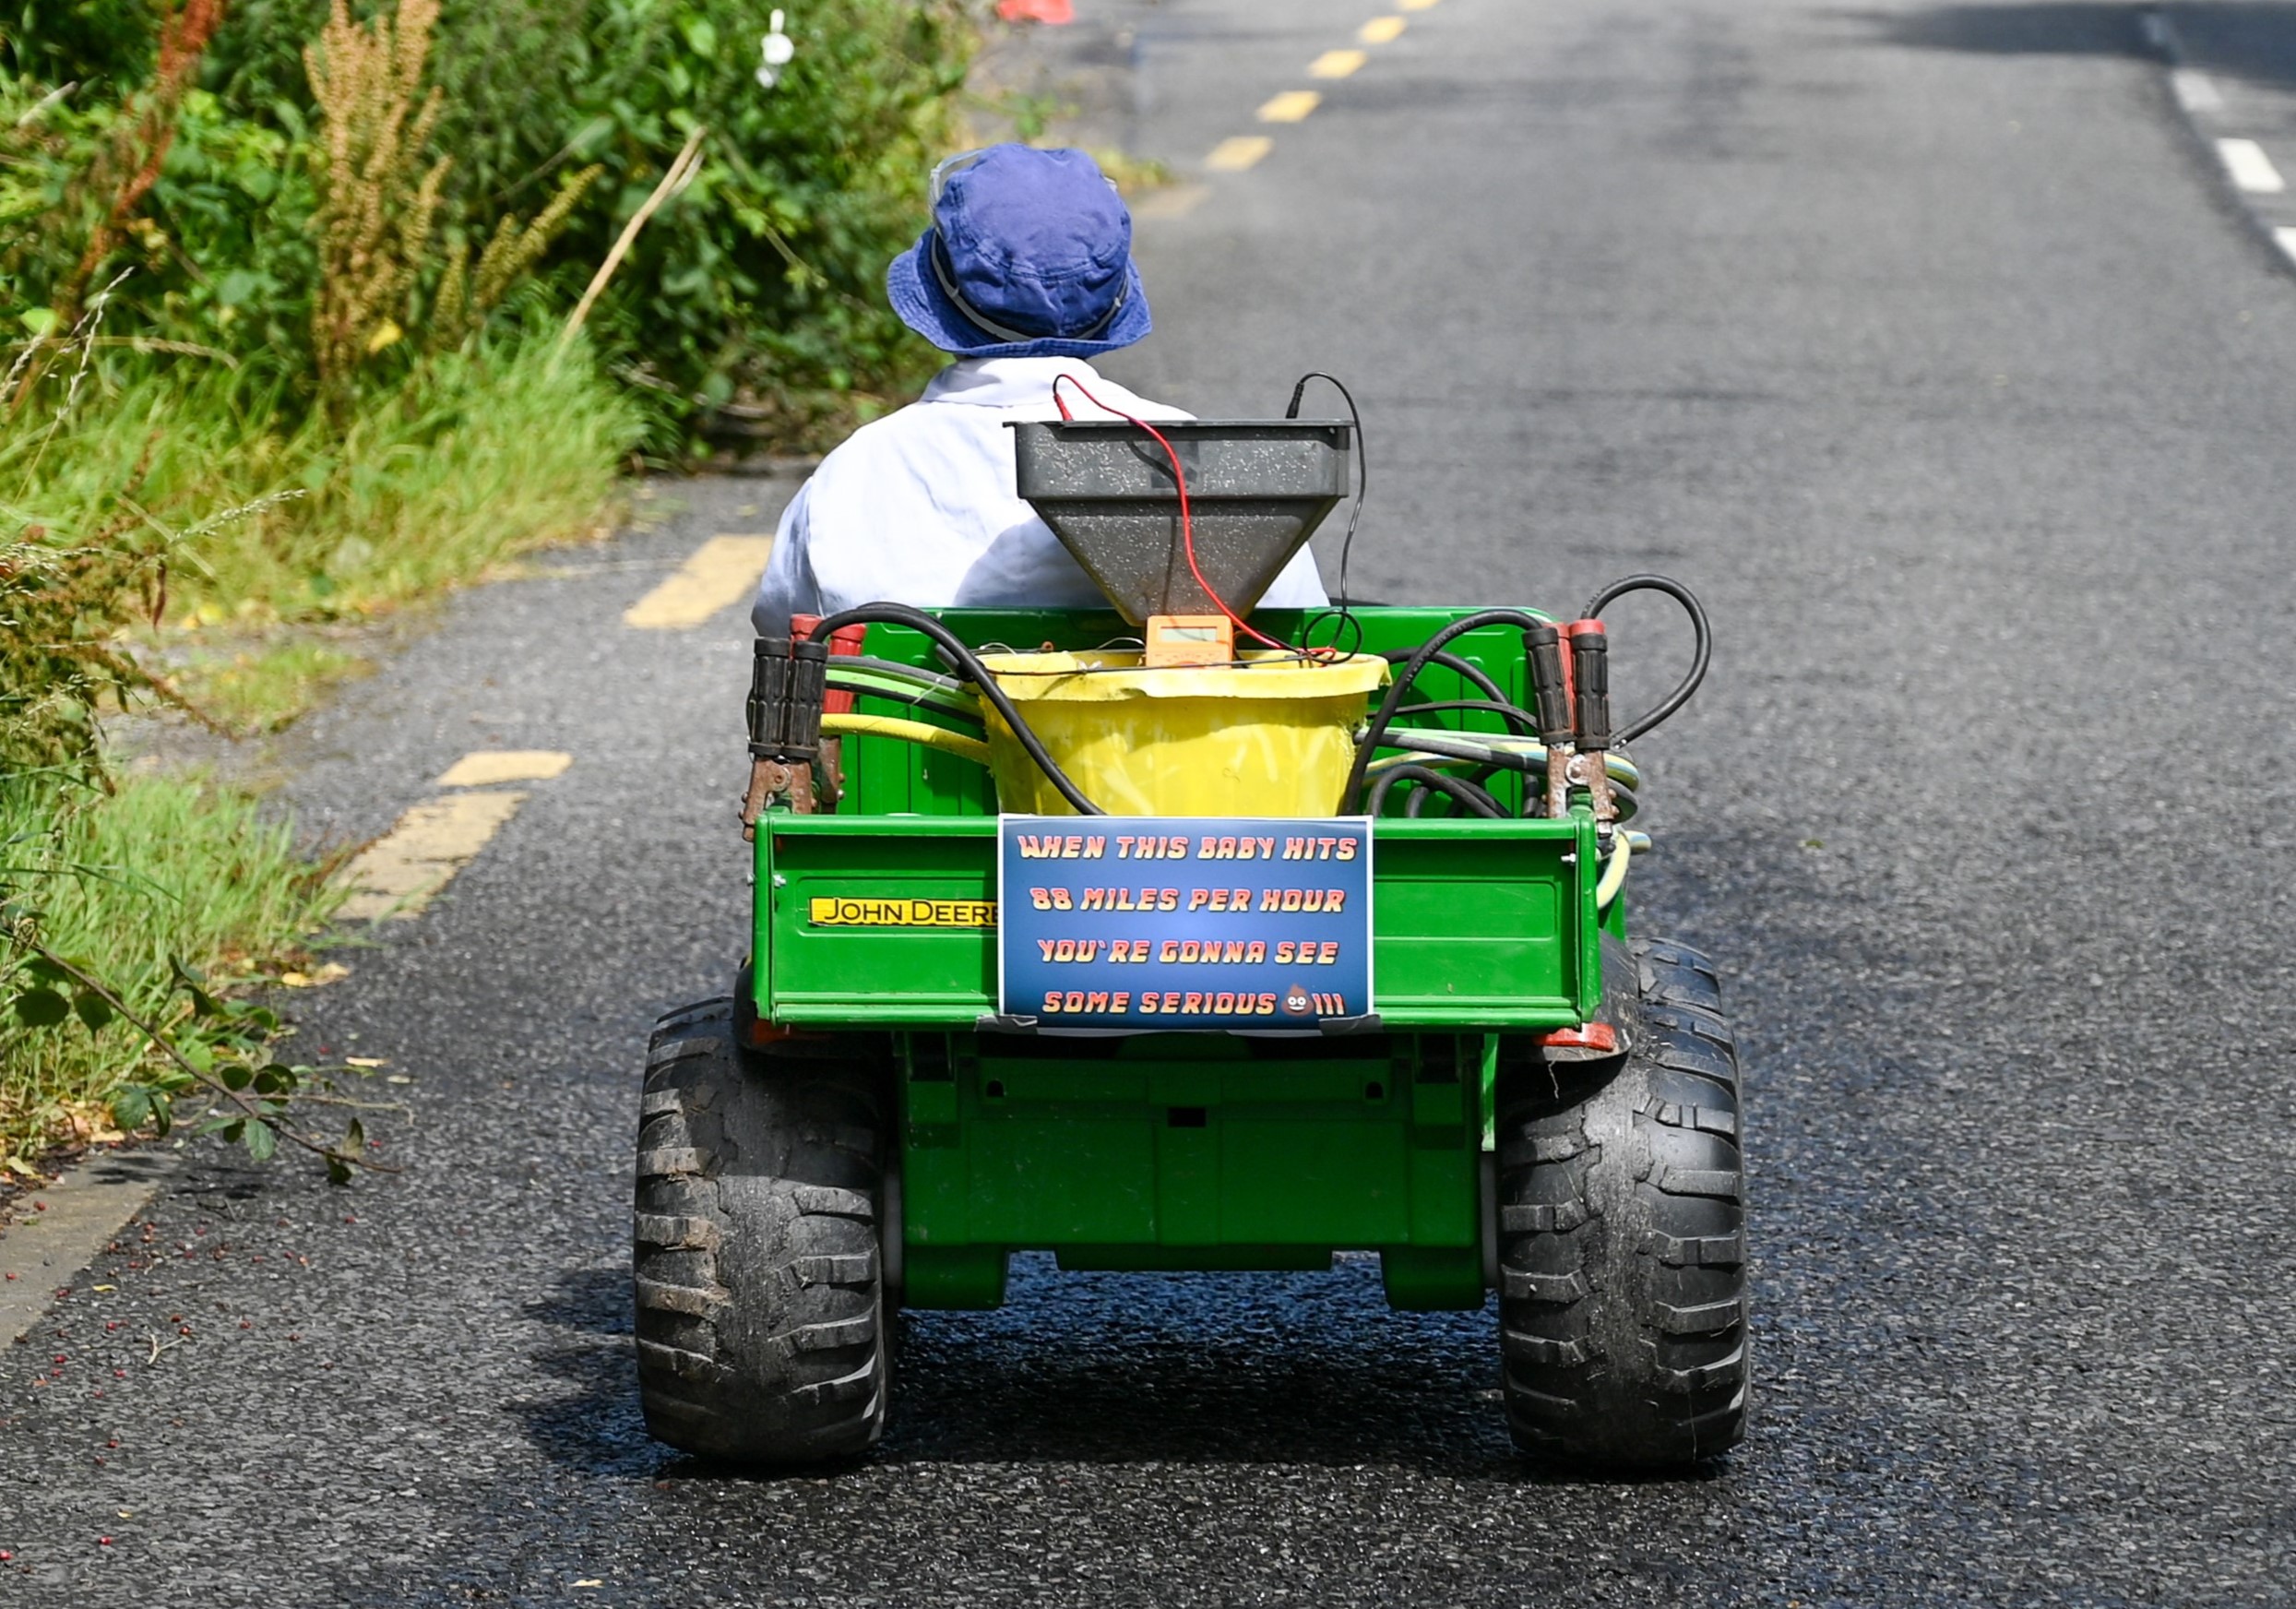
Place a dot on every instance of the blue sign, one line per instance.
(1166, 922)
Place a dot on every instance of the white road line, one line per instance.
(2285, 238)
(2195, 91)
(2251, 169)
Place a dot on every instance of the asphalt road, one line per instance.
(1925, 343)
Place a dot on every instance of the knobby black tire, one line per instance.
(1621, 1237)
(762, 1315)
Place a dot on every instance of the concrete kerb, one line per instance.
(56, 1231)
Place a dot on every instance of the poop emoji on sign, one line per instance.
(1296, 1002)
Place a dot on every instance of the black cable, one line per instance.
(1629, 806)
(965, 725)
(1347, 620)
(1461, 667)
(1480, 780)
(1419, 661)
(1345, 609)
(917, 620)
(1507, 712)
(895, 667)
(1702, 650)
(1466, 794)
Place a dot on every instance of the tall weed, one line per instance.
(378, 188)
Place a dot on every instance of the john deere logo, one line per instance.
(902, 912)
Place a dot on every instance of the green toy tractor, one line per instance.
(1091, 932)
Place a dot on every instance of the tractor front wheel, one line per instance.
(1621, 1236)
(761, 1312)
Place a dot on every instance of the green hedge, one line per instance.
(753, 303)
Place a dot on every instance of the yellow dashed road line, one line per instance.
(490, 765)
(1172, 201)
(723, 570)
(1235, 154)
(1290, 106)
(396, 874)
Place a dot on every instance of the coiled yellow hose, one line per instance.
(1613, 870)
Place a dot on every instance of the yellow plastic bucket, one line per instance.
(1274, 738)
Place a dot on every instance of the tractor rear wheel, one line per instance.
(761, 1312)
(1621, 1236)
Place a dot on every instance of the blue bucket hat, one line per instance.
(1030, 256)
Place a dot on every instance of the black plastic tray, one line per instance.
(1258, 489)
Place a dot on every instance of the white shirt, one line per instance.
(918, 507)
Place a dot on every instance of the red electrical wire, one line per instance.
(1187, 522)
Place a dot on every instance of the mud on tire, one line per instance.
(762, 1315)
(1621, 1236)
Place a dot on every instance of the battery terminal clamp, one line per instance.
(1551, 701)
(1587, 769)
(788, 682)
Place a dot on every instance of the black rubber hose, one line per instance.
(1480, 780)
(1451, 662)
(895, 668)
(1466, 794)
(1420, 657)
(970, 725)
(917, 620)
(1702, 648)
(1512, 715)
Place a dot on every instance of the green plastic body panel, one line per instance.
(1174, 1150)
(1192, 1151)
(1485, 924)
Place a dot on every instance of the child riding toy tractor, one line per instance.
(1180, 937)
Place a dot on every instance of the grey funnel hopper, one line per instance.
(1258, 489)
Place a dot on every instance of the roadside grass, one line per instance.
(483, 455)
(491, 455)
(263, 687)
(266, 529)
(167, 869)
